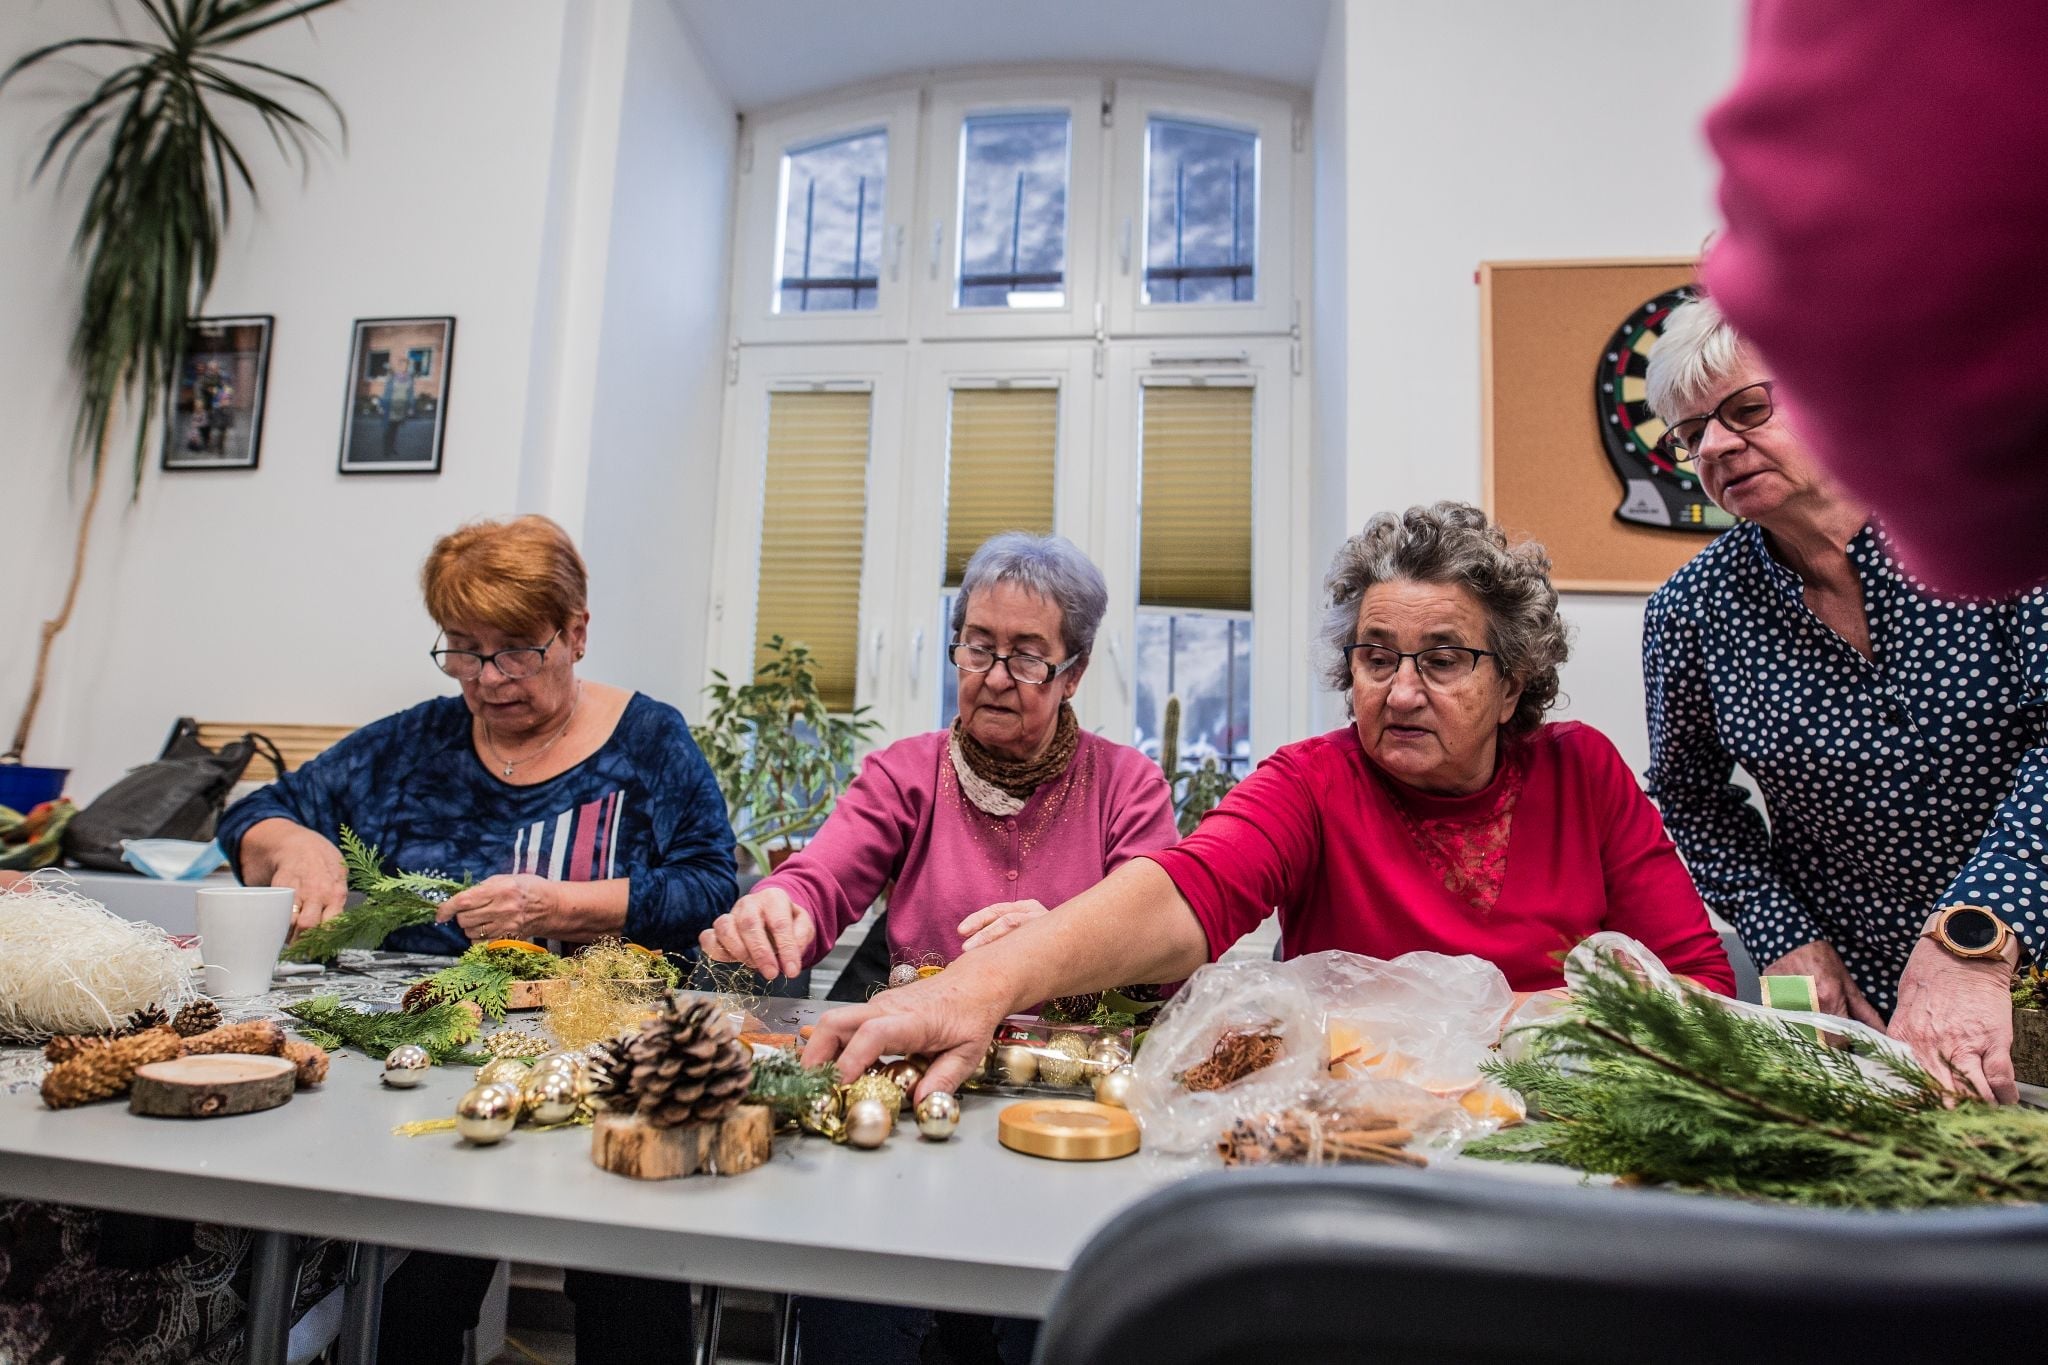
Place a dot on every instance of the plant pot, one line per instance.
(23, 788)
(2030, 1046)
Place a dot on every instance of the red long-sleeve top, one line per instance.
(1354, 859)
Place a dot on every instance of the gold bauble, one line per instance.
(1114, 1087)
(1106, 1054)
(508, 1070)
(1064, 1060)
(938, 1114)
(407, 1066)
(824, 1115)
(571, 1062)
(869, 1123)
(549, 1096)
(906, 1073)
(1016, 1064)
(485, 1113)
(979, 1076)
(874, 1086)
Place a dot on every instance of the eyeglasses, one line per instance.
(1439, 666)
(1743, 410)
(466, 665)
(1024, 668)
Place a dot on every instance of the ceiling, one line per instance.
(767, 52)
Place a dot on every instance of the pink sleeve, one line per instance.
(1650, 895)
(838, 874)
(1886, 206)
(1248, 855)
(1141, 816)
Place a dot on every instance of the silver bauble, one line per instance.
(906, 1073)
(1016, 1064)
(407, 1066)
(510, 1071)
(902, 974)
(938, 1114)
(1106, 1054)
(485, 1113)
(549, 1096)
(868, 1123)
(1114, 1087)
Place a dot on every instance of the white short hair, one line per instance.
(1696, 350)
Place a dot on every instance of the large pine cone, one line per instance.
(201, 1016)
(687, 1066)
(101, 1072)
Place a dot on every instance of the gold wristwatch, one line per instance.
(1971, 932)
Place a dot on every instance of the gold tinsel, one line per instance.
(102, 1072)
(608, 994)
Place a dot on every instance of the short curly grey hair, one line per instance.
(1454, 543)
(1052, 567)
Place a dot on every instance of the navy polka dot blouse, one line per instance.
(1894, 785)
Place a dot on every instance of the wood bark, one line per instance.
(211, 1086)
(627, 1144)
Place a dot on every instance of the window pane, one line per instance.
(832, 224)
(949, 677)
(812, 528)
(1013, 211)
(1201, 213)
(1204, 658)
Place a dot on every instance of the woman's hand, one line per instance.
(513, 905)
(1956, 1015)
(276, 852)
(991, 923)
(765, 930)
(944, 1017)
(1834, 990)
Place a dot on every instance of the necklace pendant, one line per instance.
(508, 768)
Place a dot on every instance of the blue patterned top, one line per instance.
(643, 807)
(1895, 785)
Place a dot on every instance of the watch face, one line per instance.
(1972, 928)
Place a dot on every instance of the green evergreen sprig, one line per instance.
(444, 1030)
(391, 901)
(1677, 1089)
(783, 1083)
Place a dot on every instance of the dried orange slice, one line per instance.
(521, 944)
(643, 950)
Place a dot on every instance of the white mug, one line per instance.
(241, 931)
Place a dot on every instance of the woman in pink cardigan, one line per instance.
(983, 825)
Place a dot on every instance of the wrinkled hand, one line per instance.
(512, 905)
(1957, 1017)
(765, 930)
(938, 1017)
(991, 923)
(311, 866)
(1835, 991)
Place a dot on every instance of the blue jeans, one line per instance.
(838, 1332)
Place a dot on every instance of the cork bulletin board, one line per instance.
(1543, 327)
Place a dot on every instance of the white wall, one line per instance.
(1330, 321)
(288, 593)
(1492, 130)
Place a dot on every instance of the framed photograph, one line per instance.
(397, 396)
(215, 419)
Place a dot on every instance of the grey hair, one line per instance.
(1696, 349)
(1052, 567)
(1453, 543)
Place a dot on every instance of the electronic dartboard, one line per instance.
(1656, 491)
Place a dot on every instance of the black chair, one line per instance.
(1373, 1267)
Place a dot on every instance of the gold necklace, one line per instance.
(491, 743)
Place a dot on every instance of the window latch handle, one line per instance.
(938, 243)
(916, 657)
(896, 256)
(1123, 247)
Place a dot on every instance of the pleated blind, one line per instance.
(811, 531)
(1195, 514)
(1000, 449)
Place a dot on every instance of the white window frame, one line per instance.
(742, 492)
(937, 314)
(760, 209)
(1275, 121)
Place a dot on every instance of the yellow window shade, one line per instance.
(811, 532)
(1195, 517)
(1000, 450)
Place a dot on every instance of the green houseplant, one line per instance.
(1195, 790)
(150, 235)
(780, 757)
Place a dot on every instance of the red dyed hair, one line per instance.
(522, 577)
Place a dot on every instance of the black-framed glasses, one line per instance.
(1024, 668)
(1743, 410)
(466, 665)
(1437, 666)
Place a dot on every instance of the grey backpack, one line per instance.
(179, 796)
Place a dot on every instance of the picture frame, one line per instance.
(401, 366)
(213, 417)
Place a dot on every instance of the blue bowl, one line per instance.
(22, 788)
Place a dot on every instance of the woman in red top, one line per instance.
(1448, 816)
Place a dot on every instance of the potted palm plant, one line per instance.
(149, 239)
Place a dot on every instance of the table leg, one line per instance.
(785, 1330)
(273, 1283)
(362, 1302)
(707, 1337)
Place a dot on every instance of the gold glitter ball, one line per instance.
(1063, 1060)
(874, 1086)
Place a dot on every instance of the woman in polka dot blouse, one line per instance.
(1897, 737)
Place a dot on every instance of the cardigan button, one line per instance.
(1011, 875)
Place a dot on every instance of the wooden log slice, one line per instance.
(532, 995)
(746, 1139)
(627, 1144)
(2030, 1046)
(211, 1086)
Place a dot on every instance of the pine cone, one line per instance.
(196, 1018)
(310, 1059)
(688, 1066)
(142, 1020)
(419, 996)
(259, 1036)
(1073, 1009)
(1237, 1054)
(65, 1046)
(609, 1068)
(102, 1072)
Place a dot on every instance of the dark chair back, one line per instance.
(1373, 1267)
